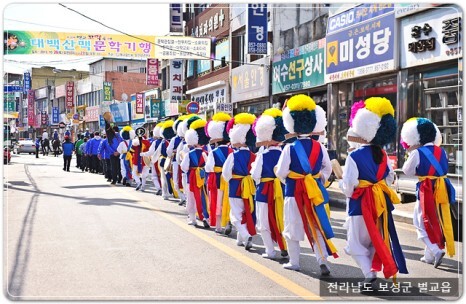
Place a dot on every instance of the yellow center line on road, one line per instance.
(270, 274)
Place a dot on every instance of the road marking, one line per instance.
(272, 275)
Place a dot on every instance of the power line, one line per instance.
(153, 43)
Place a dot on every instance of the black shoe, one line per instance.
(206, 224)
(324, 270)
(124, 181)
(284, 254)
(138, 187)
(248, 244)
(68, 170)
(64, 169)
(128, 185)
(113, 182)
(159, 192)
(228, 229)
(109, 179)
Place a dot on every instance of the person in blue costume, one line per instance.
(305, 166)
(435, 193)
(193, 165)
(127, 134)
(218, 187)
(236, 172)
(372, 240)
(270, 133)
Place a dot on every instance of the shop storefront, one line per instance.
(250, 87)
(209, 96)
(91, 118)
(360, 63)
(431, 67)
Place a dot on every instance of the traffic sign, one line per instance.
(192, 107)
(140, 132)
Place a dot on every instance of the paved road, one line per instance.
(72, 235)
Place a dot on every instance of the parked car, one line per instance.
(25, 146)
(6, 155)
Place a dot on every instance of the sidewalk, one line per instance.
(402, 212)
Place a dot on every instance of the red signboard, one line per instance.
(69, 95)
(152, 71)
(139, 103)
(31, 114)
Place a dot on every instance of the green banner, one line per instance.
(107, 91)
(9, 106)
(300, 72)
(157, 108)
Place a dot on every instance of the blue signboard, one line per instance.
(363, 49)
(101, 122)
(12, 88)
(55, 115)
(357, 15)
(192, 107)
(120, 111)
(257, 29)
(26, 82)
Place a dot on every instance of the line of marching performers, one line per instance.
(279, 191)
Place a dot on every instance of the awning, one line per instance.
(11, 115)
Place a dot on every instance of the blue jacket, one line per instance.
(115, 142)
(68, 148)
(104, 149)
(94, 146)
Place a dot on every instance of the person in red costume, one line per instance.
(140, 166)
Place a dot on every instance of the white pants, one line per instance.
(359, 245)
(294, 233)
(137, 177)
(191, 205)
(122, 168)
(154, 176)
(263, 226)
(163, 179)
(175, 181)
(236, 215)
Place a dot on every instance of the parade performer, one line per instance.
(435, 193)
(218, 187)
(270, 132)
(305, 166)
(140, 165)
(372, 240)
(127, 134)
(168, 133)
(172, 150)
(193, 165)
(236, 172)
(155, 171)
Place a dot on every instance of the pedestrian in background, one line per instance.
(78, 152)
(37, 146)
(68, 148)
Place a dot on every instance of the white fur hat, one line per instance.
(269, 126)
(196, 133)
(321, 120)
(216, 126)
(239, 126)
(420, 131)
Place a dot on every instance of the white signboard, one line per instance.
(225, 107)
(176, 81)
(208, 99)
(429, 37)
(182, 48)
(250, 81)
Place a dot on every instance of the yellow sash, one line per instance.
(443, 204)
(248, 189)
(225, 201)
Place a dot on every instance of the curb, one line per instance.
(337, 200)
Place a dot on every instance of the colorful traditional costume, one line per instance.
(154, 167)
(193, 165)
(372, 240)
(270, 132)
(435, 193)
(305, 165)
(140, 168)
(172, 152)
(217, 186)
(127, 133)
(236, 172)
(166, 177)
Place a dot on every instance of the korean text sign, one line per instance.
(363, 49)
(152, 71)
(107, 91)
(55, 115)
(51, 43)
(176, 81)
(69, 98)
(306, 70)
(31, 108)
(176, 18)
(26, 82)
(139, 103)
(257, 29)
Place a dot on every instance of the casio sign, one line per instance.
(341, 20)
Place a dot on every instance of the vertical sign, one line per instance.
(31, 114)
(26, 82)
(107, 91)
(176, 80)
(152, 71)
(44, 118)
(101, 122)
(176, 18)
(139, 103)
(257, 29)
(55, 115)
(69, 94)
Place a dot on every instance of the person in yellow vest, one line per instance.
(304, 165)
(435, 193)
(270, 133)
